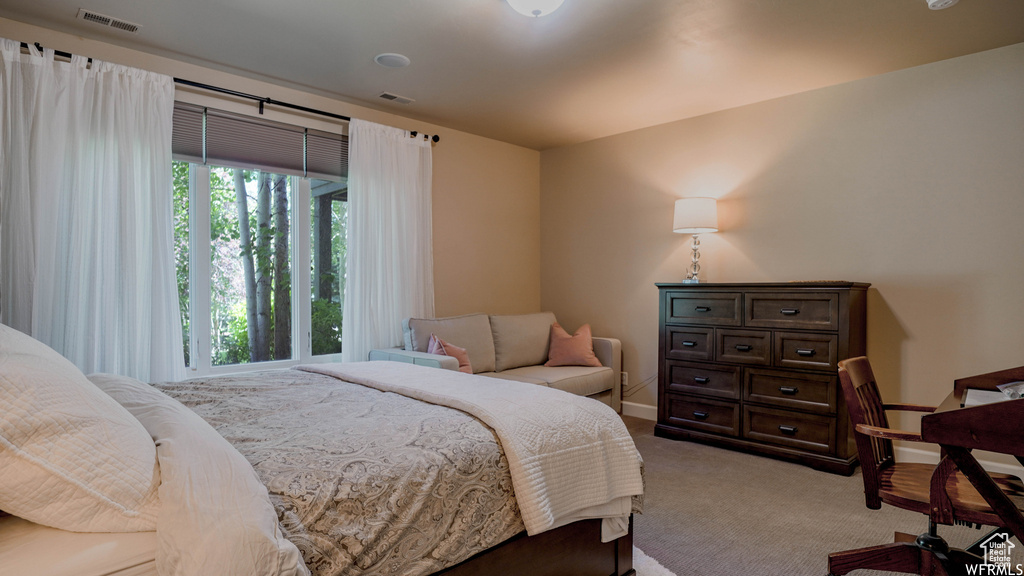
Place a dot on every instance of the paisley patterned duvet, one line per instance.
(364, 482)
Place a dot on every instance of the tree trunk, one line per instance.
(264, 270)
(282, 278)
(323, 272)
(242, 203)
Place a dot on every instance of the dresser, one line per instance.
(753, 367)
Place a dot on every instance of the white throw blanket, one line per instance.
(570, 457)
(215, 516)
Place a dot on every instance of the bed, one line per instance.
(443, 492)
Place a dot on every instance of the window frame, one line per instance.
(200, 251)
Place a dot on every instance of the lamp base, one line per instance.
(693, 274)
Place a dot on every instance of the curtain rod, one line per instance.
(265, 100)
(261, 99)
(55, 52)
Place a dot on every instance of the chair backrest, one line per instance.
(865, 406)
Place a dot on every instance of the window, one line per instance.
(251, 234)
(330, 215)
(250, 266)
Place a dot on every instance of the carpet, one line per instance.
(715, 512)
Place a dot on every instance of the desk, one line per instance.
(997, 427)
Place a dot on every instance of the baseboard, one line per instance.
(645, 411)
(904, 454)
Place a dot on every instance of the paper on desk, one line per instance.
(975, 397)
(1013, 390)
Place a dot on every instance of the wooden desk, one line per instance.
(997, 427)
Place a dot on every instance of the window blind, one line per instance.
(210, 136)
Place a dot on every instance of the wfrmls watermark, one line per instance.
(997, 558)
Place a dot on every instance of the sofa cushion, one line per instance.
(521, 339)
(472, 332)
(575, 350)
(582, 380)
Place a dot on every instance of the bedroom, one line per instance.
(910, 180)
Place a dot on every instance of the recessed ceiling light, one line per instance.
(390, 60)
(940, 4)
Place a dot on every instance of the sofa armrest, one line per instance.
(413, 357)
(609, 352)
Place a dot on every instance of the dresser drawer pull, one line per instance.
(744, 347)
(790, 311)
(689, 343)
(789, 390)
(701, 379)
(703, 309)
(788, 430)
(805, 351)
(700, 415)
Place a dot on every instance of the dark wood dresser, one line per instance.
(753, 367)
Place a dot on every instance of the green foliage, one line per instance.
(230, 340)
(326, 327)
(179, 171)
(234, 342)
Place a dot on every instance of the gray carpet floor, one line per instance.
(715, 512)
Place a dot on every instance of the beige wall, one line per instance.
(912, 181)
(486, 193)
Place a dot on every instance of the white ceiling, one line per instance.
(591, 69)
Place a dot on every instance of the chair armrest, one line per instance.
(888, 433)
(908, 407)
(413, 357)
(609, 353)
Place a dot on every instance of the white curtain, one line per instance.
(390, 268)
(86, 253)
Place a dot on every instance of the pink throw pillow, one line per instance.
(438, 346)
(575, 350)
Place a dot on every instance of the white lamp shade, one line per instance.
(535, 8)
(696, 216)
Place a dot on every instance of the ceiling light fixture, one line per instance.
(391, 60)
(535, 8)
(940, 4)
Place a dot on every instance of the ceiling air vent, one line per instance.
(96, 18)
(395, 98)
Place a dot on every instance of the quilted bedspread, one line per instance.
(364, 482)
(570, 457)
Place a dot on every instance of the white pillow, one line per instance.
(216, 517)
(70, 456)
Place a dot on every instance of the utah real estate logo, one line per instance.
(997, 550)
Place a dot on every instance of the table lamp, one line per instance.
(695, 216)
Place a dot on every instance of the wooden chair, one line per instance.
(941, 492)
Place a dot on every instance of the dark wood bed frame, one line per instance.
(572, 550)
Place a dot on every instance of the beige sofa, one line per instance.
(512, 347)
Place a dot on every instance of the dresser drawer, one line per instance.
(802, 350)
(718, 308)
(811, 311)
(703, 379)
(743, 346)
(811, 392)
(804, 431)
(685, 343)
(703, 414)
